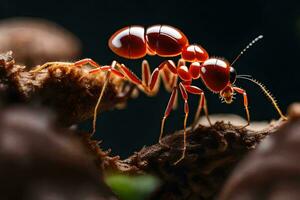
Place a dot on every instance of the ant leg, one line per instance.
(202, 104)
(167, 113)
(79, 63)
(96, 109)
(186, 111)
(154, 85)
(175, 105)
(146, 73)
(180, 62)
(150, 82)
(169, 79)
(172, 83)
(170, 65)
(269, 96)
(85, 61)
(109, 69)
(41, 67)
(129, 74)
(243, 92)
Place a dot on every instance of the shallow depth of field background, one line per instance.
(224, 28)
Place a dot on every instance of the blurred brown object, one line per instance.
(294, 111)
(71, 92)
(35, 41)
(272, 171)
(40, 161)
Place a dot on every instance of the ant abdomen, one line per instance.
(135, 42)
(129, 42)
(165, 40)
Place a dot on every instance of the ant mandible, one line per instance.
(218, 75)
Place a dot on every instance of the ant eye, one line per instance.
(232, 75)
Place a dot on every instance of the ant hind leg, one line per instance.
(44, 66)
(85, 61)
(96, 109)
(78, 63)
(109, 69)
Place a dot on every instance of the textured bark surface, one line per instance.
(71, 92)
(213, 152)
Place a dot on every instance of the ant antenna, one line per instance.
(247, 47)
(267, 93)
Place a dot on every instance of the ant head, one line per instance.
(227, 94)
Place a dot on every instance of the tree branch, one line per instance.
(71, 92)
(212, 153)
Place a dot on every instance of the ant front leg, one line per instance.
(243, 92)
(202, 104)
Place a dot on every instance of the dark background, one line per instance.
(224, 28)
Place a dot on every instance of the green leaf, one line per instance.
(132, 187)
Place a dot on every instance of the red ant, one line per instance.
(217, 74)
